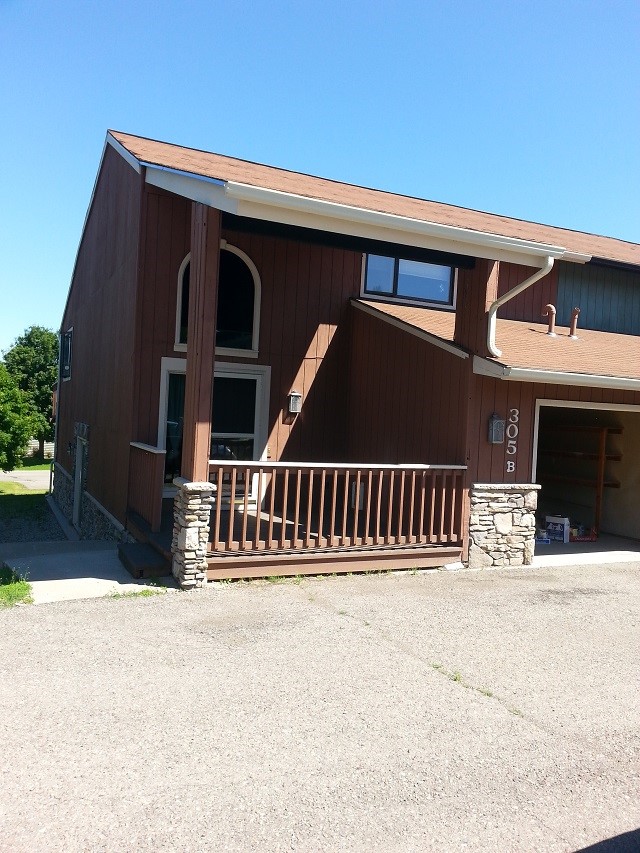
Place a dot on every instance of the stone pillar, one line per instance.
(191, 520)
(502, 526)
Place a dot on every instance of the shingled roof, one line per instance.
(525, 345)
(222, 168)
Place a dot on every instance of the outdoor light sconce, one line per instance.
(295, 403)
(496, 429)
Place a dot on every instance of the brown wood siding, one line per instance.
(166, 240)
(477, 290)
(101, 309)
(529, 304)
(487, 463)
(407, 398)
(303, 336)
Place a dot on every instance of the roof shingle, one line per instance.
(269, 177)
(527, 345)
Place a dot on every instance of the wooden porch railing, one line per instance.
(284, 506)
(146, 479)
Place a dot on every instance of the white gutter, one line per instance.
(484, 367)
(465, 240)
(493, 309)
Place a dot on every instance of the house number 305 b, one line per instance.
(512, 438)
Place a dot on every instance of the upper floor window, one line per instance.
(409, 280)
(238, 314)
(66, 349)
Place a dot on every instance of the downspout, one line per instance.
(493, 310)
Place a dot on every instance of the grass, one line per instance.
(483, 691)
(138, 593)
(283, 579)
(8, 488)
(35, 463)
(13, 589)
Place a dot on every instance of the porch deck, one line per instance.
(292, 518)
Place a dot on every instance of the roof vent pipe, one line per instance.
(574, 323)
(493, 310)
(550, 312)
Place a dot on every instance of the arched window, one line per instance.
(238, 316)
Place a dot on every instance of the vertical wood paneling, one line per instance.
(403, 393)
(608, 298)
(495, 395)
(102, 310)
(477, 289)
(530, 304)
(203, 303)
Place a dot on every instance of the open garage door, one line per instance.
(588, 466)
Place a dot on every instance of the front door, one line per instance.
(238, 417)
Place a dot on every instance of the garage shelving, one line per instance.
(580, 458)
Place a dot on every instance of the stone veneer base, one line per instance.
(95, 521)
(190, 542)
(502, 525)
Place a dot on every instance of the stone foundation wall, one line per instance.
(502, 525)
(63, 491)
(191, 522)
(95, 521)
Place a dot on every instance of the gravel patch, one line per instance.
(447, 711)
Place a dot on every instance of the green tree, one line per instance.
(16, 422)
(33, 363)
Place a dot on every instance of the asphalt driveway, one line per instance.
(489, 711)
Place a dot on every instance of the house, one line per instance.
(264, 372)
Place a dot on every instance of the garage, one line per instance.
(587, 462)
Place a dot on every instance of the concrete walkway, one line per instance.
(64, 571)
(607, 550)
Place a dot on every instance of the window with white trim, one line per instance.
(410, 281)
(238, 314)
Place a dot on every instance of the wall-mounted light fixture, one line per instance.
(295, 403)
(496, 429)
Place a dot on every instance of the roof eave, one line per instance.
(291, 209)
(499, 370)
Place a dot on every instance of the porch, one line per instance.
(288, 518)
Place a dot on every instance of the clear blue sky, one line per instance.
(526, 109)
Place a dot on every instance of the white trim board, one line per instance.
(262, 374)
(497, 370)
(178, 346)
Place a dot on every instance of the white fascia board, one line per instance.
(209, 191)
(484, 367)
(412, 330)
(126, 155)
(387, 226)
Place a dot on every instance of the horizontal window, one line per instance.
(410, 280)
